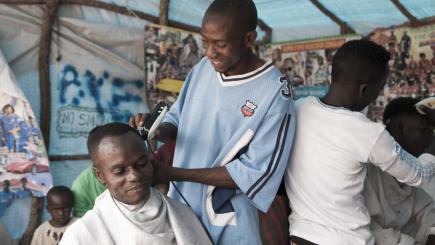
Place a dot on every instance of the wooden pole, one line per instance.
(267, 29)
(344, 27)
(412, 19)
(164, 12)
(34, 221)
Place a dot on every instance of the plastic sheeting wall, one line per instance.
(91, 40)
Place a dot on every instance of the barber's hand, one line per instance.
(430, 240)
(162, 171)
(430, 113)
(137, 120)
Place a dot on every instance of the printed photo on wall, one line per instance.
(412, 65)
(24, 166)
(169, 55)
(307, 64)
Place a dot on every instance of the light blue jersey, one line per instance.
(245, 123)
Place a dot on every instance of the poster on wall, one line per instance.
(170, 53)
(307, 64)
(24, 165)
(412, 64)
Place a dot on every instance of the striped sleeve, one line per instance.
(388, 155)
(259, 171)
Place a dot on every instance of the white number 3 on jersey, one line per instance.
(287, 91)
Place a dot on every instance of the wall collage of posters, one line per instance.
(24, 166)
(412, 64)
(170, 53)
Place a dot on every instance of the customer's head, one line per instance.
(120, 162)
(410, 129)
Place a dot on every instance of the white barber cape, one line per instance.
(400, 214)
(159, 221)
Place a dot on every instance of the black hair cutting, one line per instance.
(108, 130)
(360, 61)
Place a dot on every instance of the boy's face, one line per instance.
(121, 163)
(8, 110)
(416, 134)
(59, 207)
(223, 46)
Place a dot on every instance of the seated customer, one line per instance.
(401, 214)
(59, 205)
(85, 188)
(130, 211)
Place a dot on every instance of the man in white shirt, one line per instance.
(401, 214)
(334, 141)
(130, 211)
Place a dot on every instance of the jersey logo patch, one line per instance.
(248, 109)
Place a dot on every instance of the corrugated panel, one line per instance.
(420, 8)
(146, 6)
(295, 19)
(287, 13)
(188, 11)
(364, 16)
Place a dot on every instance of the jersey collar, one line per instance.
(244, 78)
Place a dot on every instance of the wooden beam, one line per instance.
(23, 1)
(164, 12)
(44, 68)
(344, 27)
(34, 221)
(113, 8)
(66, 158)
(412, 19)
(267, 30)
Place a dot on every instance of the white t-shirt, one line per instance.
(325, 175)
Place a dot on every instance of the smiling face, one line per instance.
(121, 163)
(223, 45)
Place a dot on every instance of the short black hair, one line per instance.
(61, 190)
(400, 106)
(6, 106)
(108, 130)
(360, 61)
(242, 12)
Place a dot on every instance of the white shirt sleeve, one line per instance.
(388, 155)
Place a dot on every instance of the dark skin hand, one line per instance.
(430, 240)
(163, 172)
(430, 113)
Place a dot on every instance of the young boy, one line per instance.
(401, 213)
(59, 205)
(334, 141)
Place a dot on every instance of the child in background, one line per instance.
(59, 205)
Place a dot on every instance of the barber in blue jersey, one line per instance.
(234, 121)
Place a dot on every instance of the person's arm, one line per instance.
(388, 155)
(257, 172)
(210, 176)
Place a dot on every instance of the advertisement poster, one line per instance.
(24, 165)
(307, 64)
(169, 55)
(412, 64)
